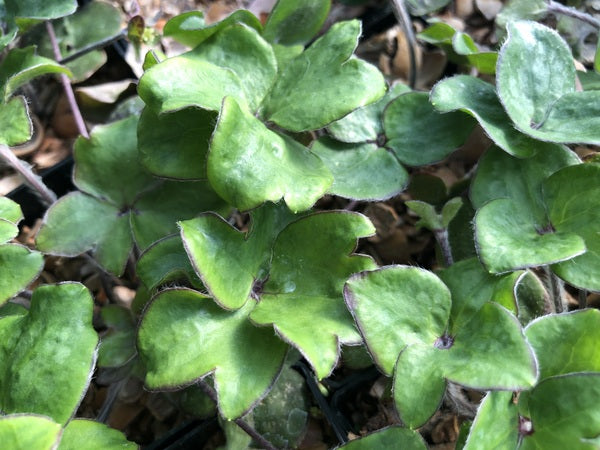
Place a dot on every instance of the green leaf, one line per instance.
(190, 29)
(28, 431)
(48, 355)
(174, 145)
(184, 336)
(324, 83)
(507, 241)
(303, 297)
(521, 10)
(571, 211)
(156, 212)
(15, 125)
(564, 412)
(249, 164)
(366, 123)
(418, 384)
(21, 65)
(19, 267)
(117, 345)
(10, 216)
(353, 166)
(77, 223)
(396, 306)
(293, 23)
(166, 261)
(521, 179)
(12, 309)
(235, 62)
(532, 298)
(478, 98)
(430, 219)
(496, 424)
(228, 261)
(389, 437)
(566, 343)
(540, 98)
(111, 154)
(82, 434)
(40, 9)
(418, 134)
(450, 210)
(472, 286)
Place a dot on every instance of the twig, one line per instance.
(258, 438)
(94, 46)
(403, 19)
(582, 298)
(558, 8)
(441, 236)
(67, 84)
(31, 178)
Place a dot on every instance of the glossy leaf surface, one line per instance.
(303, 298)
(36, 377)
(249, 164)
(324, 83)
(353, 166)
(478, 98)
(81, 434)
(293, 23)
(496, 424)
(228, 261)
(244, 359)
(28, 431)
(540, 98)
(418, 134)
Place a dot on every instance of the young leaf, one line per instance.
(390, 437)
(496, 424)
(566, 343)
(429, 218)
(190, 28)
(419, 135)
(249, 164)
(21, 65)
(34, 375)
(174, 145)
(478, 98)
(324, 83)
(302, 298)
(28, 431)
(353, 166)
(293, 23)
(83, 434)
(229, 262)
(540, 98)
(184, 336)
(15, 125)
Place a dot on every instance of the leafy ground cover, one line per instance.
(298, 225)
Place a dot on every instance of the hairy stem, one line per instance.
(556, 288)
(441, 236)
(31, 178)
(258, 438)
(403, 19)
(94, 46)
(67, 84)
(558, 8)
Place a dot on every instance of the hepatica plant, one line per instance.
(264, 121)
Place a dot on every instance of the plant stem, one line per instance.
(403, 19)
(31, 178)
(459, 401)
(67, 84)
(582, 299)
(94, 46)
(556, 289)
(441, 236)
(558, 8)
(258, 438)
